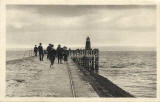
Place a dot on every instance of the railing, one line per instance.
(88, 59)
(28, 53)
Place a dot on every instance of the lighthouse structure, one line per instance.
(88, 44)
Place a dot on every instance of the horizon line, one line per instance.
(106, 48)
(91, 46)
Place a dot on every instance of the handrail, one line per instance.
(89, 59)
(28, 53)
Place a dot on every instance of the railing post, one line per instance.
(92, 53)
(89, 59)
(97, 60)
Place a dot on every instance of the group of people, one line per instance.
(40, 50)
(59, 53)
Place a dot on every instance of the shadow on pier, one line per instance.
(88, 62)
(29, 77)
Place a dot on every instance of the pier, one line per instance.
(88, 63)
(32, 78)
(29, 77)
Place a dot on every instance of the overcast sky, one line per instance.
(107, 25)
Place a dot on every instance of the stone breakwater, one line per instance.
(29, 77)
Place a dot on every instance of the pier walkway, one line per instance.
(30, 77)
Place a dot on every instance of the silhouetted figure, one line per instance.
(41, 54)
(65, 54)
(52, 55)
(35, 50)
(59, 54)
(48, 50)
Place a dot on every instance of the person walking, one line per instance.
(35, 50)
(52, 55)
(65, 54)
(48, 50)
(59, 54)
(41, 53)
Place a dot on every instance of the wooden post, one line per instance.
(89, 59)
(97, 60)
(92, 68)
(87, 63)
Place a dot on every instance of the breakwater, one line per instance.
(88, 62)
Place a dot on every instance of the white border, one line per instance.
(71, 2)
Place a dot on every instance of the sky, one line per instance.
(69, 25)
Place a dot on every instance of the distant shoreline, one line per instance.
(100, 48)
(17, 60)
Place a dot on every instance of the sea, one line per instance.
(16, 54)
(133, 71)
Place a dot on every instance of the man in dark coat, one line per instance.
(41, 54)
(65, 54)
(48, 50)
(52, 55)
(59, 54)
(35, 50)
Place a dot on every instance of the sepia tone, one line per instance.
(95, 51)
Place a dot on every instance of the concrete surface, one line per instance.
(31, 78)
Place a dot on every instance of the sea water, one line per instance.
(16, 54)
(133, 71)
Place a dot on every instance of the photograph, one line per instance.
(81, 51)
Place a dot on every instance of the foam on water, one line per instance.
(135, 72)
